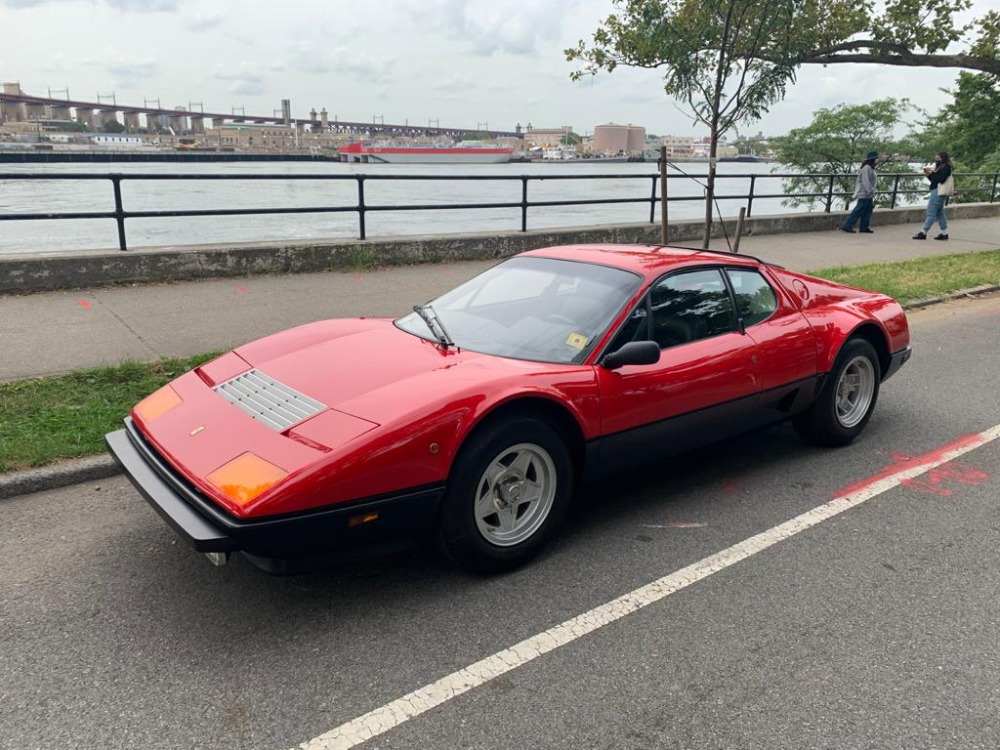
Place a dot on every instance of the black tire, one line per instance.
(487, 525)
(847, 399)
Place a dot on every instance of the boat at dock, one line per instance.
(465, 152)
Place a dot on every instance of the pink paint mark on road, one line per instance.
(242, 289)
(903, 462)
(358, 277)
(84, 304)
(933, 481)
(732, 486)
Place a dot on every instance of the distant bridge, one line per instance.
(20, 106)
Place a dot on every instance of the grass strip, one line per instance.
(921, 278)
(66, 416)
(48, 419)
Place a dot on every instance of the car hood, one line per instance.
(370, 369)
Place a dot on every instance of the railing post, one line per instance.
(524, 203)
(652, 200)
(993, 192)
(895, 191)
(753, 182)
(361, 204)
(829, 196)
(116, 181)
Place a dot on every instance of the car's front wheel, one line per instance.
(510, 487)
(847, 399)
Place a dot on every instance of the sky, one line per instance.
(452, 63)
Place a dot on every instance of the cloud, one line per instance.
(487, 27)
(128, 73)
(305, 57)
(454, 85)
(125, 6)
(202, 20)
(246, 79)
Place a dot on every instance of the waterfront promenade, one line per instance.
(53, 332)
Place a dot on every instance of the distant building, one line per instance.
(678, 145)
(619, 139)
(247, 135)
(543, 137)
(704, 146)
(117, 139)
(11, 112)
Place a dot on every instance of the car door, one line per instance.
(787, 344)
(705, 385)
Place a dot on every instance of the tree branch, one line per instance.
(968, 62)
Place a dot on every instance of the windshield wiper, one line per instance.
(427, 314)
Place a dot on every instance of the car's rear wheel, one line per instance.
(847, 399)
(510, 487)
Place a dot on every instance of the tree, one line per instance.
(911, 33)
(836, 143)
(711, 52)
(969, 127)
(731, 59)
(571, 139)
(113, 126)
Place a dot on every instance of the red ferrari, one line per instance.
(473, 418)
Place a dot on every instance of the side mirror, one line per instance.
(633, 353)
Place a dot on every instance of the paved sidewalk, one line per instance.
(54, 332)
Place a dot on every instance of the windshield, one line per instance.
(532, 308)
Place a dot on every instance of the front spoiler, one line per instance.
(206, 528)
(897, 360)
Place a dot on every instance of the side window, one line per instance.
(755, 300)
(690, 306)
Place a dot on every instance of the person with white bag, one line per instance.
(942, 188)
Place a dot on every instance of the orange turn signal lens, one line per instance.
(158, 403)
(245, 478)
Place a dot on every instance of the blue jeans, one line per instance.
(862, 210)
(935, 212)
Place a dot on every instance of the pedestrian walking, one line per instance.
(864, 193)
(942, 188)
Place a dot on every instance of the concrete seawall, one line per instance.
(48, 271)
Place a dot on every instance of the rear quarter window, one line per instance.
(755, 299)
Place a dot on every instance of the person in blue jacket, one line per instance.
(864, 192)
(940, 194)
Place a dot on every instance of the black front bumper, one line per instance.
(331, 530)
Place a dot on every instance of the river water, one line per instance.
(612, 180)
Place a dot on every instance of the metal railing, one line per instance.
(987, 184)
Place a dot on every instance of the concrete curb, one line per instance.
(57, 475)
(90, 468)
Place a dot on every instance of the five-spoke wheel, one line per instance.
(509, 489)
(847, 399)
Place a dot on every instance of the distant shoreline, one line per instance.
(10, 156)
(54, 157)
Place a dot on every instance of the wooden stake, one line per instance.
(663, 195)
(739, 229)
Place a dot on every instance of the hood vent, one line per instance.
(268, 401)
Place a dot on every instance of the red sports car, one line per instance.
(473, 418)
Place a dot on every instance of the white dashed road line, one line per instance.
(397, 712)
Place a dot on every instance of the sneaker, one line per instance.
(941, 236)
(920, 236)
(867, 231)
(845, 229)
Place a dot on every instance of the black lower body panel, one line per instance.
(333, 530)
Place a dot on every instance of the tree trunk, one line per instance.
(713, 149)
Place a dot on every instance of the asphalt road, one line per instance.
(877, 628)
